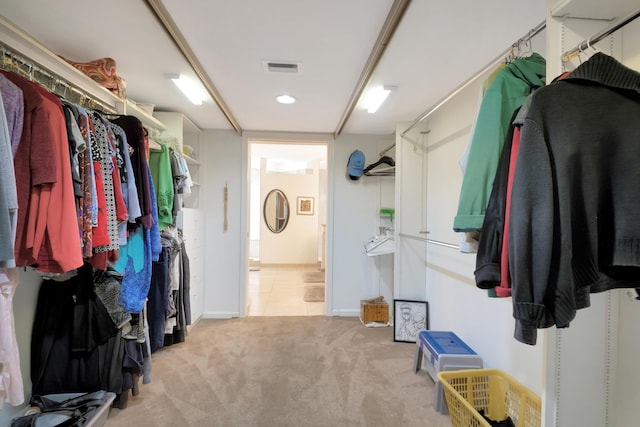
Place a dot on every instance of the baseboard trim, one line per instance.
(232, 314)
(194, 323)
(346, 313)
(220, 314)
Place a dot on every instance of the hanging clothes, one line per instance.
(162, 176)
(90, 190)
(111, 188)
(158, 301)
(100, 230)
(13, 103)
(83, 187)
(134, 131)
(107, 285)
(127, 182)
(8, 195)
(179, 180)
(74, 151)
(574, 232)
(492, 260)
(55, 220)
(175, 325)
(85, 183)
(508, 91)
(136, 258)
(78, 132)
(488, 259)
(134, 263)
(47, 232)
(462, 162)
(187, 182)
(185, 277)
(75, 346)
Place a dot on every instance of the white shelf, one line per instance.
(132, 109)
(186, 133)
(607, 10)
(33, 50)
(15, 38)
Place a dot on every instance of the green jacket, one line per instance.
(508, 91)
(160, 165)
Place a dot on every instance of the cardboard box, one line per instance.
(374, 310)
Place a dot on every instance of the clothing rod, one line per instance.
(433, 242)
(386, 150)
(587, 43)
(532, 33)
(405, 137)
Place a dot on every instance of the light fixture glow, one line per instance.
(189, 88)
(375, 97)
(285, 99)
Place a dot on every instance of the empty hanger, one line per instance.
(373, 168)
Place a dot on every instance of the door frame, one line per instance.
(275, 138)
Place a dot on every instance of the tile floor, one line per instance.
(278, 291)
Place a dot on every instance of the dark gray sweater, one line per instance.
(575, 223)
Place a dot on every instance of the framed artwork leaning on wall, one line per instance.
(409, 318)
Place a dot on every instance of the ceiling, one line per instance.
(436, 46)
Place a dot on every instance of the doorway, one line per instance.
(287, 217)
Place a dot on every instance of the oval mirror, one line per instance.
(276, 211)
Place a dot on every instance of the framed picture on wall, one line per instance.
(305, 206)
(409, 318)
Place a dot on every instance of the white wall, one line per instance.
(356, 218)
(298, 242)
(352, 218)
(222, 164)
(486, 324)
(427, 197)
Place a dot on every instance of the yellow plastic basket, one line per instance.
(492, 391)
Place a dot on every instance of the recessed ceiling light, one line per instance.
(285, 99)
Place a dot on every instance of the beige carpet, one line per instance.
(313, 292)
(313, 277)
(284, 372)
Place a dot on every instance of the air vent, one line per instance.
(281, 67)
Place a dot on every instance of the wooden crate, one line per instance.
(374, 310)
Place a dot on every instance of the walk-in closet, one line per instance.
(495, 185)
